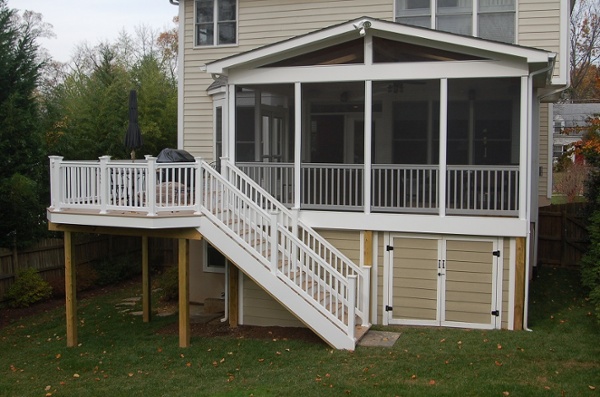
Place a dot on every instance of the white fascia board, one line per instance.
(409, 223)
(140, 222)
(321, 38)
(380, 72)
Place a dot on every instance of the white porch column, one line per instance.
(229, 130)
(524, 144)
(104, 183)
(297, 142)
(443, 166)
(367, 145)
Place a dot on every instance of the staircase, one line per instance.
(288, 259)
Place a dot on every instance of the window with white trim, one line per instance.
(488, 19)
(216, 22)
(214, 260)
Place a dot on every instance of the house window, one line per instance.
(214, 261)
(495, 19)
(216, 22)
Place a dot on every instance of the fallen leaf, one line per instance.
(592, 387)
(432, 382)
(188, 364)
(130, 374)
(260, 360)
(547, 387)
(498, 363)
(58, 356)
(222, 360)
(75, 375)
(413, 377)
(442, 340)
(499, 346)
(505, 393)
(47, 388)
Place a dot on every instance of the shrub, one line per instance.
(113, 271)
(169, 283)
(29, 287)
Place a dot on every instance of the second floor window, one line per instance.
(488, 19)
(216, 22)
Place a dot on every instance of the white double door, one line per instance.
(443, 281)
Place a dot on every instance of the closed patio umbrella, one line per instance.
(133, 137)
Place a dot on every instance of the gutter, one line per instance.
(527, 252)
(174, 2)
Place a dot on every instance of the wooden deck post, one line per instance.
(368, 246)
(184, 293)
(146, 295)
(234, 282)
(70, 292)
(520, 280)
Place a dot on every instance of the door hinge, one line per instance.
(496, 253)
(496, 313)
(388, 308)
(389, 248)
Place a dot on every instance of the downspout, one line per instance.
(174, 2)
(530, 127)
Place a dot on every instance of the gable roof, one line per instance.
(295, 46)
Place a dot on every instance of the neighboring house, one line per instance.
(367, 169)
(569, 118)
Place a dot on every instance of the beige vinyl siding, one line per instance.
(543, 153)
(539, 25)
(261, 23)
(348, 242)
(259, 308)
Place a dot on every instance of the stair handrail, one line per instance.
(324, 248)
(261, 224)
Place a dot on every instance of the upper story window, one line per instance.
(488, 19)
(216, 22)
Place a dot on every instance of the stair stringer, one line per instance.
(275, 287)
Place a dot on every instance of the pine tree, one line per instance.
(21, 145)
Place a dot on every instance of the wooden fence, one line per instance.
(47, 256)
(563, 236)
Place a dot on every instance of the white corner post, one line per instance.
(151, 186)
(104, 183)
(55, 182)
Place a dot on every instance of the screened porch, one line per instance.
(434, 146)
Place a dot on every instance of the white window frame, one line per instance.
(474, 15)
(215, 26)
(206, 266)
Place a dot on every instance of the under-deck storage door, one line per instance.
(414, 281)
(444, 281)
(469, 287)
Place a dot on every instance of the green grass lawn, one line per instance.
(119, 355)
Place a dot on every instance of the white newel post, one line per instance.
(351, 304)
(151, 186)
(225, 168)
(55, 185)
(365, 289)
(273, 241)
(104, 183)
(199, 186)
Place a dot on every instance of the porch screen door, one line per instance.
(272, 152)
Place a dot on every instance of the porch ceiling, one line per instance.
(333, 35)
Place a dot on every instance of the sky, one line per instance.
(93, 21)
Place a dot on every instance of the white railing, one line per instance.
(332, 186)
(483, 190)
(404, 188)
(264, 234)
(308, 236)
(275, 178)
(398, 188)
(107, 185)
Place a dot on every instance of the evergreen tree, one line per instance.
(21, 144)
